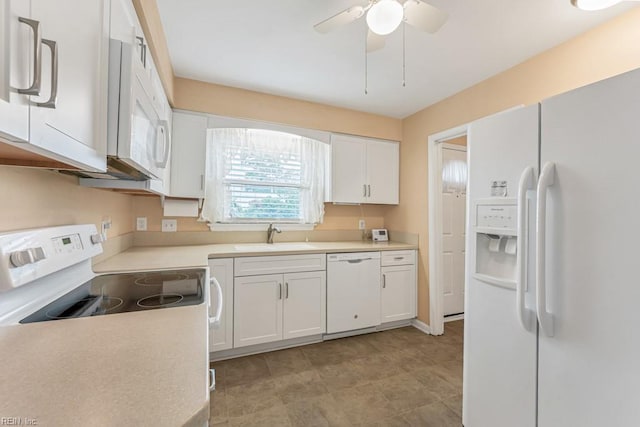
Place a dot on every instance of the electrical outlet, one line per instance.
(104, 226)
(169, 225)
(141, 223)
(361, 225)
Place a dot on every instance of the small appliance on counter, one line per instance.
(380, 235)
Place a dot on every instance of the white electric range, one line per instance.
(45, 274)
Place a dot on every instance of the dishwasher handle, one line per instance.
(357, 261)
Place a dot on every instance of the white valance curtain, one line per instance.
(237, 157)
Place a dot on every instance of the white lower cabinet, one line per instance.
(398, 294)
(304, 304)
(274, 307)
(257, 309)
(398, 286)
(221, 338)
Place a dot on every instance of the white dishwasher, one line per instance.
(353, 291)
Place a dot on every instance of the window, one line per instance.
(263, 176)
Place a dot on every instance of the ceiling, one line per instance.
(271, 46)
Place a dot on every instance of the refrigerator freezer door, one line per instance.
(589, 370)
(499, 387)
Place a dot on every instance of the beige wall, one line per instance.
(607, 50)
(40, 198)
(336, 217)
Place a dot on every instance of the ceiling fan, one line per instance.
(385, 16)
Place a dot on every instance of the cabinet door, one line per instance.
(16, 51)
(383, 172)
(188, 155)
(398, 294)
(347, 169)
(73, 128)
(222, 338)
(304, 304)
(257, 309)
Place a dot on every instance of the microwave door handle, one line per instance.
(164, 125)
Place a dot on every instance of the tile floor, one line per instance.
(400, 377)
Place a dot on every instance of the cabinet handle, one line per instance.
(34, 89)
(286, 290)
(279, 290)
(398, 258)
(369, 192)
(364, 190)
(384, 281)
(202, 182)
(166, 143)
(143, 51)
(53, 98)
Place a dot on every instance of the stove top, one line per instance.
(126, 292)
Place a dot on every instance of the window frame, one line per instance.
(216, 122)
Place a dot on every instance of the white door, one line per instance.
(257, 309)
(353, 294)
(383, 162)
(499, 383)
(222, 337)
(453, 198)
(75, 125)
(347, 169)
(16, 70)
(588, 368)
(398, 294)
(304, 304)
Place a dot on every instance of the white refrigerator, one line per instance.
(552, 309)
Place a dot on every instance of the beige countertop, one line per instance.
(127, 369)
(168, 257)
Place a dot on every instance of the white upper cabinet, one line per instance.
(188, 155)
(15, 70)
(64, 46)
(364, 170)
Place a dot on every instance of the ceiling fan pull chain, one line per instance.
(366, 66)
(404, 56)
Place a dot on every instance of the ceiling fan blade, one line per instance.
(374, 41)
(423, 16)
(345, 17)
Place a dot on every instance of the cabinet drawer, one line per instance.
(252, 266)
(398, 257)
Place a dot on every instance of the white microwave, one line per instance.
(138, 142)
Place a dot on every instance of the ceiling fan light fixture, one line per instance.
(385, 16)
(594, 4)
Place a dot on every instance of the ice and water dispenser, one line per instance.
(496, 241)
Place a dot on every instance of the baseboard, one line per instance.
(454, 318)
(421, 326)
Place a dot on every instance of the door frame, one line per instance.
(434, 161)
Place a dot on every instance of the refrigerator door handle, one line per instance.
(547, 179)
(527, 182)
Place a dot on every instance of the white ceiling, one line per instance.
(270, 46)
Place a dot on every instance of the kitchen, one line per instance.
(40, 198)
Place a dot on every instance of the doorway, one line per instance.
(453, 204)
(447, 212)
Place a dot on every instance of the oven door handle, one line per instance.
(215, 321)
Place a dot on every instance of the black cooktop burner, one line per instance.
(126, 292)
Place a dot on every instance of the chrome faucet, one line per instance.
(270, 231)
